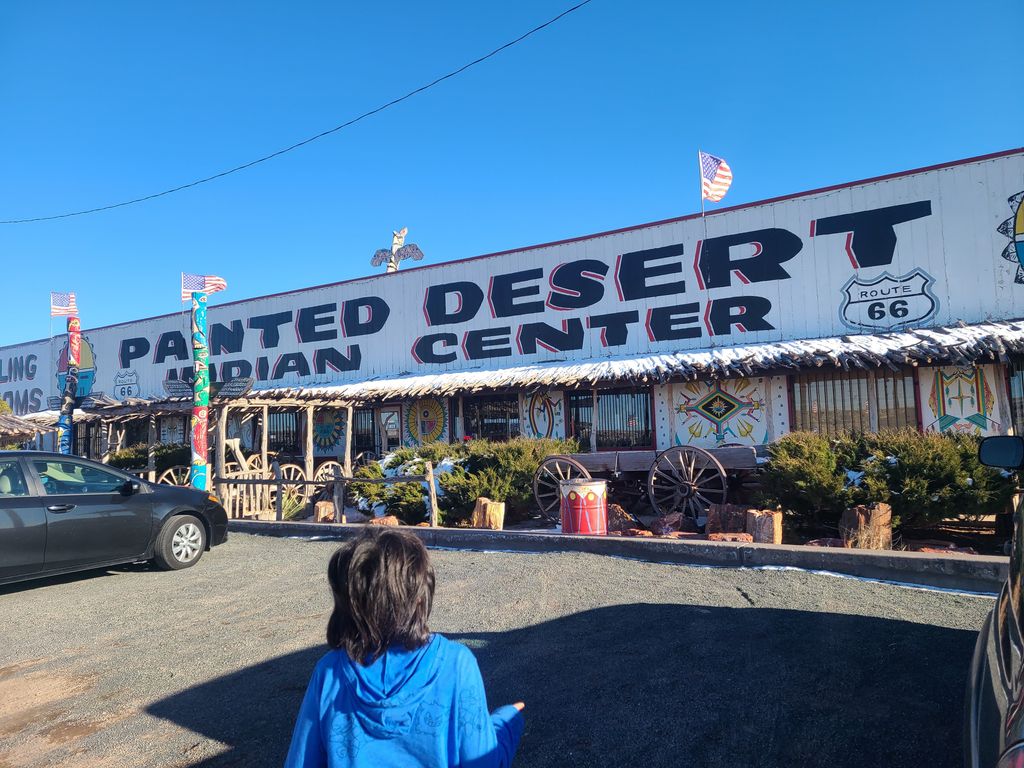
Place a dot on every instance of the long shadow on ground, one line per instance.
(667, 685)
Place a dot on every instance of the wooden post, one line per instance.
(309, 443)
(347, 461)
(151, 450)
(275, 468)
(222, 436)
(105, 442)
(432, 492)
(593, 424)
(339, 494)
(263, 437)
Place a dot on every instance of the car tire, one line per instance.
(180, 544)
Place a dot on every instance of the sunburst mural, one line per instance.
(426, 420)
(1013, 228)
(721, 411)
(328, 429)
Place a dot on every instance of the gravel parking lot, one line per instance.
(620, 663)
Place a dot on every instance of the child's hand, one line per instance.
(519, 705)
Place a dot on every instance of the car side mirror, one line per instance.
(131, 487)
(1006, 451)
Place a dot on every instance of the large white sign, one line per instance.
(916, 250)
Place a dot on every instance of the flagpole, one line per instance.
(700, 182)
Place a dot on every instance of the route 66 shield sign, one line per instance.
(886, 302)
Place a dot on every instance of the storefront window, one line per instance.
(623, 418)
(283, 432)
(834, 404)
(491, 417)
(364, 431)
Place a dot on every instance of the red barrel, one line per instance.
(584, 506)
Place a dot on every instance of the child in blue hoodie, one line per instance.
(391, 694)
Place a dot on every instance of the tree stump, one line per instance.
(324, 512)
(726, 518)
(867, 527)
(765, 525)
(488, 514)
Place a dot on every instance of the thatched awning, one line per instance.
(16, 429)
(957, 344)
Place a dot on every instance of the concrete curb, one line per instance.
(971, 573)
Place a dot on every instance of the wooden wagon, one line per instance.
(679, 479)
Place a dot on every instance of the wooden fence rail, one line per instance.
(249, 493)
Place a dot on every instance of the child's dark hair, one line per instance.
(383, 585)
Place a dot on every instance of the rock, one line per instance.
(838, 543)
(933, 547)
(422, 525)
(765, 525)
(690, 535)
(726, 518)
(618, 520)
(636, 532)
(731, 536)
(672, 521)
(386, 520)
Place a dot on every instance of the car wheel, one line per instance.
(180, 544)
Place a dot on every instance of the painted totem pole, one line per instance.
(200, 392)
(67, 402)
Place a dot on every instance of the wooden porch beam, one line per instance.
(308, 452)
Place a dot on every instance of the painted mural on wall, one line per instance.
(961, 399)
(426, 421)
(328, 431)
(543, 415)
(1013, 228)
(717, 412)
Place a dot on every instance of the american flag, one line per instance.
(63, 304)
(715, 177)
(200, 284)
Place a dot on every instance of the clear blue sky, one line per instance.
(590, 125)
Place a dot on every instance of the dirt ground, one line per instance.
(620, 663)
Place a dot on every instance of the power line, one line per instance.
(311, 139)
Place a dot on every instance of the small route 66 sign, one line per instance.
(126, 384)
(887, 302)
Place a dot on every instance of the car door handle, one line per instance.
(60, 507)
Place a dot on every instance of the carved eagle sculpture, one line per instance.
(399, 252)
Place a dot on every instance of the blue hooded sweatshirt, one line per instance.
(424, 708)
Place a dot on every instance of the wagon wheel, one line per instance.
(255, 462)
(176, 475)
(325, 472)
(545, 482)
(687, 480)
(298, 492)
(628, 492)
(231, 468)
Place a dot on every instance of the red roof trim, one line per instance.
(716, 212)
